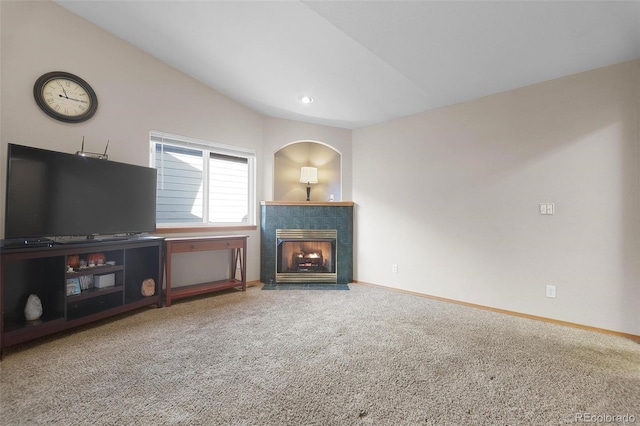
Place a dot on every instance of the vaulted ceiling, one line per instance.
(366, 62)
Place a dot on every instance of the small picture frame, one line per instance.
(73, 286)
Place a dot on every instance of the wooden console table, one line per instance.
(236, 243)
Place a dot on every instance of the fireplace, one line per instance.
(306, 255)
(286, 217)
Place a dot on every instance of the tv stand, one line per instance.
(44, 271)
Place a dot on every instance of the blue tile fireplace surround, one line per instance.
(286, 215)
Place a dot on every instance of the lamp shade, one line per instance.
(308, 175)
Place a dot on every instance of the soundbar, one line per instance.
(93, 240)
(25, 243)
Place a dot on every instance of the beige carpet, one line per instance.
(364, 356)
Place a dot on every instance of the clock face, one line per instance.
(65, 97)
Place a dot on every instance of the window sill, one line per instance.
(175, 230)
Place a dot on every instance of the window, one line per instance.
(202, 183)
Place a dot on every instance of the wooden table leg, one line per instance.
(167, 294)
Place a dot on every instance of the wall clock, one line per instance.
(65, 97)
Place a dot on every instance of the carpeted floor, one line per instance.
(364, 356)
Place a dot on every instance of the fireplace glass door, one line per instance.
(306, 255)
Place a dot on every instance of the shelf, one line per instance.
(11, 327)
(18, 332)
(96, 270)
(197, 289)
(89, 307)
(308, 203)
(93, 292)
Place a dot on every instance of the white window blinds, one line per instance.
(201, 182)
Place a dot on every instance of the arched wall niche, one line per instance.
(290, 158)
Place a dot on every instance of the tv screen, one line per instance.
(53, 194)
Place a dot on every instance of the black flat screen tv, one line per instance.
(55, 194)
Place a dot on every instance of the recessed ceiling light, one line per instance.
(305, 99)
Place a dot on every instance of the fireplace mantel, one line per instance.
(307, 203)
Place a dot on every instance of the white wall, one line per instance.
(451, 196)
(136, 94)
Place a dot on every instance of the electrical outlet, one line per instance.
(394, 268)
(551, 291)
(547, 208)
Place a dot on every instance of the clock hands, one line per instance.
(64, 91)
(77, 100)
(67, 96)
(72, 99)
